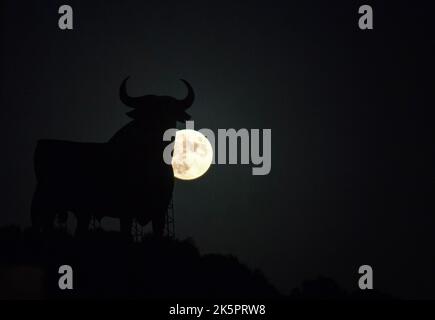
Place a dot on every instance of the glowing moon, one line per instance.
(192, 155)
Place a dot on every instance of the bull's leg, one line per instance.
(83, 220)
(159, 224)
(43, 210)
(36, 209)
(126, 225)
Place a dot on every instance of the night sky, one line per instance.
(352, 179)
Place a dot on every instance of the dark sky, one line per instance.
(352, 178)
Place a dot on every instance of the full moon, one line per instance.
(192, 155)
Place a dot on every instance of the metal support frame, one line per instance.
(170, 220)
(138, 231)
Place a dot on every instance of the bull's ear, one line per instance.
(183, 116)
(130, 114)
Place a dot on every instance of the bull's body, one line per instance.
(100, 179)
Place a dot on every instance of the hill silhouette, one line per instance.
(107, 265)
(325, 288)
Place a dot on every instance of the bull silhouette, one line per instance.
(124, 178)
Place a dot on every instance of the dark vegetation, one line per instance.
(107, 265)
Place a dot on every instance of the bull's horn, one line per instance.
(188, 101)
(125, 98)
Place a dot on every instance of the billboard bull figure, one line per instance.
(124, 178)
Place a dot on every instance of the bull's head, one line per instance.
(160, 107)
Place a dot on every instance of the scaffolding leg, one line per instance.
(137, 231)
(170, 220)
